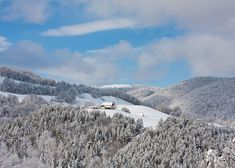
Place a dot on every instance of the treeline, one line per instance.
(64, 92)
(25, 76)
(64, 137)
(12, 86)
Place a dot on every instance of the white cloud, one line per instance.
(4, 44)
(208, 45)
(33, 11)
(90, 27)
(25, 54)
(201, 15)
(88, 69)
(206, 54)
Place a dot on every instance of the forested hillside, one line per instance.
(216, 100)
(71, 137)
(164, 96)
(25, 76)
(11, 107)
(178, 143)
(64, 137)
(208, 98)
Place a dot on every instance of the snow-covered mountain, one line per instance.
(174, 91)
(215, 100)
(201, 97)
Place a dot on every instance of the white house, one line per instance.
(108, 105)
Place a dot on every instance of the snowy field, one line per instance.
(116, 86)
(149, 116)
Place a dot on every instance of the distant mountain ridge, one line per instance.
(25, 76)
(200, 97)
(25, 82)
(215, 100)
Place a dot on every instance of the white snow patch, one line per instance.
(116, 86)
(149, 116)
(19, 96)
(47, 98)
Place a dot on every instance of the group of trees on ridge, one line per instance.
(24, 82)
(26, 76)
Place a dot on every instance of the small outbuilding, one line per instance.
(108, 105)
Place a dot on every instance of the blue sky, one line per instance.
(152, 42)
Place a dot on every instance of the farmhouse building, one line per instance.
(108, 105)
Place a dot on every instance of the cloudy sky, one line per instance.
(153, 42)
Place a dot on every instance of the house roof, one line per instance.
(107, 103)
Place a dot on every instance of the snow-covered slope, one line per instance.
(149, 116)
(116, 86)
(181, 89)
(201, 97)
(165, 96)
(21, 96)
(216, 100)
